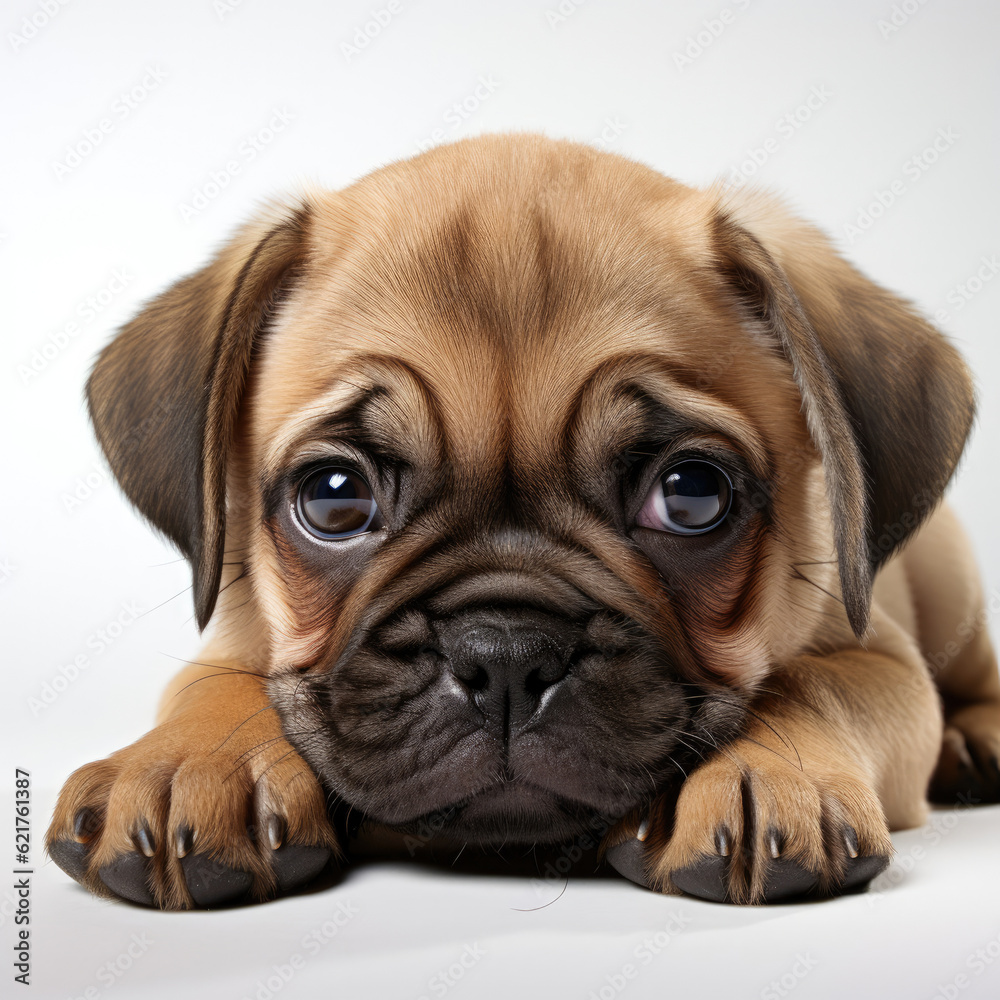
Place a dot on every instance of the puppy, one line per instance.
(532, 493)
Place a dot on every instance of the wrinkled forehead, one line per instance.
(479, 309)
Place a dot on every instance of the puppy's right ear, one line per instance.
(888, 399)
(164, 395)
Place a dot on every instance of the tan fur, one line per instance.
(504, 338)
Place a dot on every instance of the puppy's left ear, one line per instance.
(888, 401)
(165, 394)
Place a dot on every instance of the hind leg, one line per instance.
(953, 624)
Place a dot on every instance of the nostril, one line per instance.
(503, 656)
(474, 676)
(552, 670)
(541, 679)
(479, 681)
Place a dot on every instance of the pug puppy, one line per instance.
(529, 493)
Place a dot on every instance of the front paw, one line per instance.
(746, 829)
(185, 818)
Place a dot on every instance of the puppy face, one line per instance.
(519, 467)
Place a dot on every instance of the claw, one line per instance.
(722, 845)
(145, 842)
(183, 841)
(276, 829)
(774, 845)
(851, 841)
(85, 825)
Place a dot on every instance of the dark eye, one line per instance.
(335, 502)
(688, 499)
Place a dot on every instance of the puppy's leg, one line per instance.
(212, 806)
(953, 620)
(803, 802)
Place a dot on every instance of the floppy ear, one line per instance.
(164, 395)
(888, 400)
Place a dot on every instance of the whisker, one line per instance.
(780, 756)
(236, 579)
(207, 677)
(274, 763)
(788, 743)
(531, 909)
(797, 574)
(261, 747)
(266, 708)
(238, 607)
(256, 749)
(693, 749)
(299, 775)
(167, 601)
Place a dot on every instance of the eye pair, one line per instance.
(690, 498)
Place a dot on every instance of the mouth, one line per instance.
(513, 812)
(432, 772)
(487, 725)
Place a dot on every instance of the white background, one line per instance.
(71, 561)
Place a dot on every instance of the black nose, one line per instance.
(508, 657)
